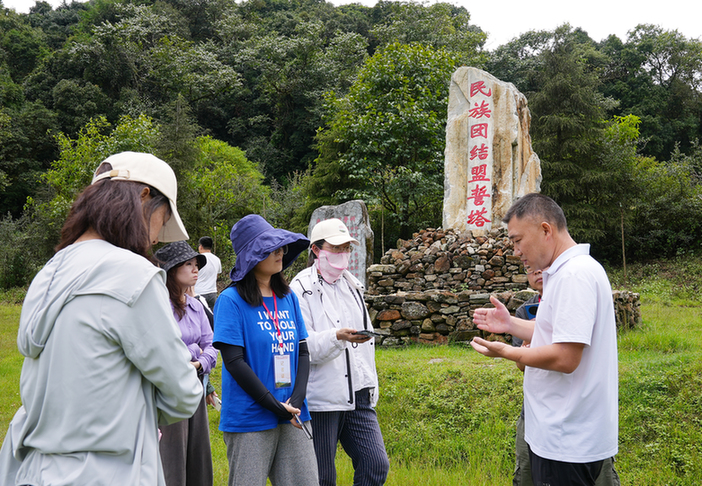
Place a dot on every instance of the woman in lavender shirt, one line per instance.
(185, 446)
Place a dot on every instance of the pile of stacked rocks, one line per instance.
(627, 307)
(427, 288)
(444, 260)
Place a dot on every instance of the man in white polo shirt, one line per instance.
(571, 377)
(206, 285)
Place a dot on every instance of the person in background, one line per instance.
(343, 386)
(261, 333)
(570, 382)
(104, 361)
(526, 311)
(185, 446)
(206, 285)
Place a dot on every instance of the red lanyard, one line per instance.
(275, 320)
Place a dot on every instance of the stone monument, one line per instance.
(489, 161)
(354, 214)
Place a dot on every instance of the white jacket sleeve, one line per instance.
(322, 342)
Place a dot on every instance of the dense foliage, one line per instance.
(392, 127)
(280, 106)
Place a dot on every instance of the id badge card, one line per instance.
(282, 370)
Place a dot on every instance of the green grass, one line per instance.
(447, 414)
(10, 365)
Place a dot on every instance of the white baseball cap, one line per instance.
(149, 169)
(333, 231)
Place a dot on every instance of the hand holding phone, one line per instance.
(366, 332)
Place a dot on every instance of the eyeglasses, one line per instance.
(337, 249)
(283, 250)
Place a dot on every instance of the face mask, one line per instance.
(332, 265)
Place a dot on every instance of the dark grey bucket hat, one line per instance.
(178, 252)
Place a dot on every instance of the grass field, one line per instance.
(448, 414)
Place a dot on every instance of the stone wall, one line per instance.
(427, 288)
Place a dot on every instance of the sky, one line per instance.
(506, 19)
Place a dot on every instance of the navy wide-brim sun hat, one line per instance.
(253, 239)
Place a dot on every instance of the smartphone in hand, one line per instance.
(304, 427)
(366, 332)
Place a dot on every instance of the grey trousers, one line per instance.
(185, 450)
(284, 454)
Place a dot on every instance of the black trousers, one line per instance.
(547, 472)
(359, 434)
(185, 450)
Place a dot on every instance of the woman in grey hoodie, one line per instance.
(104, 362)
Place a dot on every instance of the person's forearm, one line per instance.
(561, 357)
(233, 359)
(522, 328)
(303, 371)
(208, 358)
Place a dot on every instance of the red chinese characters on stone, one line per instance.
(478, 195)
(479, 130)
(480, 179)
(479, 173)
(479, 152)
(482, 110)
(479, 87)
(477, 217)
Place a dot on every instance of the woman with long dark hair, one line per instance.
(185, 445)
(261, 334)
(104, 362)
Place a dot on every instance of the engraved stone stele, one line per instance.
(489, 161)
(354, 214)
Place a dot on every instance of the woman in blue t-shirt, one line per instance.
(260, 331)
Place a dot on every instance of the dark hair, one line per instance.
(312, 257)
(175, 291)
(249, 291)
(537, 206)
(206, 242)
(115, 211)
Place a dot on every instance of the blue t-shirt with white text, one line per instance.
(239, 324)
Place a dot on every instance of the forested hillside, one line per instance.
(279, 106)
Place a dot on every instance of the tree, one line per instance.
(217, 185)
(388, 134)
(26, 150)
(665, 217)
(77, 102)
(568, 133)
(74, 168)
(278, 111)
(440, 25)
(520, 60)
(657, 75)
(221, 187)
(57, 25)
(24, 48)
(177, 141)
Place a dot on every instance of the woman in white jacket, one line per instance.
(342, 390)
